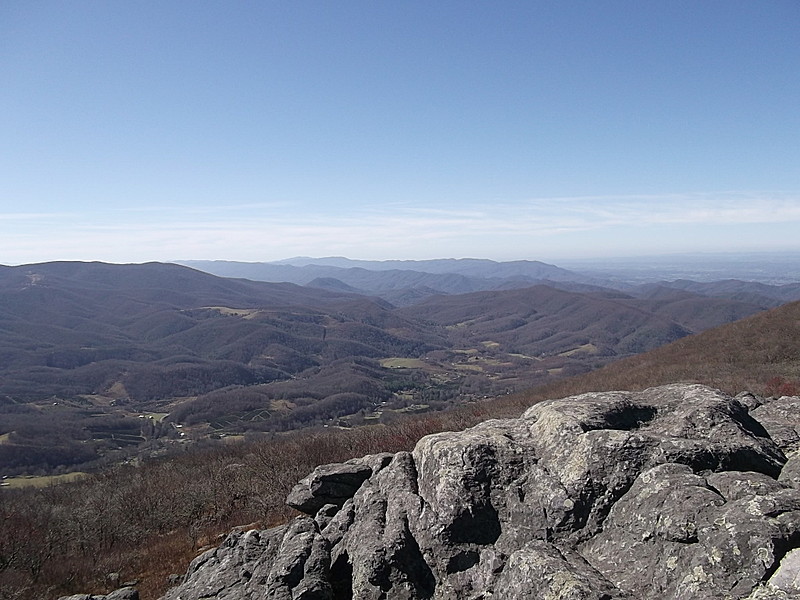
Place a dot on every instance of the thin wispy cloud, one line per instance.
(269, 231)
(27, 216)
(202, 209)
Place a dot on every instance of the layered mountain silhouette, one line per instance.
(400, 282)
(94, 346)
(408, 282)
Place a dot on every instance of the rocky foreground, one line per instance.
(675, 492)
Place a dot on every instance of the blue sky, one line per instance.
(136, 131)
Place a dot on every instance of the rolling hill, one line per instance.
(734, 289)
(401, 282)
(87, 348)
(542, 320)
(407, 282)
(99, 361)
(91, 321)
(760, 354)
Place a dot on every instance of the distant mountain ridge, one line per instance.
(734, 289)
(407, 282)
(474, 267)
(401, 282)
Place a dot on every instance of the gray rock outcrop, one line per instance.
(675, 492)
(123, 593)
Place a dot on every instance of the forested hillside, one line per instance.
(101, 363)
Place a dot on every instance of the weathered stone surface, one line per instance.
(790, 475)
(779, 418)
(540, 570)
(124, 593)
(334, 483)
(228, 572)
(787, 577)
(674, 492)
(301, 567)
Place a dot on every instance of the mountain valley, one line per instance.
(103, 362)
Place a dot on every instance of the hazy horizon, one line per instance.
(593, 261)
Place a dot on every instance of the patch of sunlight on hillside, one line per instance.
(156, 416)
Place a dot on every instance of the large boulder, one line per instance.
(334, 483)
(673, 492)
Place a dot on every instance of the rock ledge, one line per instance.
(675, 492)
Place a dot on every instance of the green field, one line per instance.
(20, 482)
(587, 348)
(156, 416)
(468, 367)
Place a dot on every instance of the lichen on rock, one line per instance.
(672, 492)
